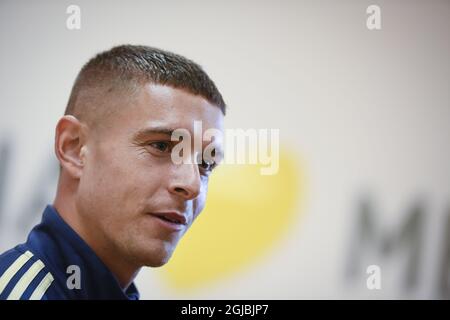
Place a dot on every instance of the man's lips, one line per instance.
(171, 216)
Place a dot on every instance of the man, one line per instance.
(121, 202)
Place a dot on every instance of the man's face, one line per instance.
(128, 176)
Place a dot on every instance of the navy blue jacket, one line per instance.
(44, 267)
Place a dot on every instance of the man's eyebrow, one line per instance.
(153, 130)
(219, 153)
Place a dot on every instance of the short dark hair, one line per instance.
(131, 65)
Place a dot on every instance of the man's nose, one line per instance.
(186, 181)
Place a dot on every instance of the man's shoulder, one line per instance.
(23, 275)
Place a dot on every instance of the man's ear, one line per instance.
(70, 145)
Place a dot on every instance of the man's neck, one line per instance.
(124, 272)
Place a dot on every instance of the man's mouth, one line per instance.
(172, 217)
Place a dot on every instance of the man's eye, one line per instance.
(207, 166)
(161, 146)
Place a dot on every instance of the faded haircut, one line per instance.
(126, 68)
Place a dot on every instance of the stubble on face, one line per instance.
(125, 178)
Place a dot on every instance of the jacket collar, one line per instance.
(59, 246)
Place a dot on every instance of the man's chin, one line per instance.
(156, 258)
(156, 264)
